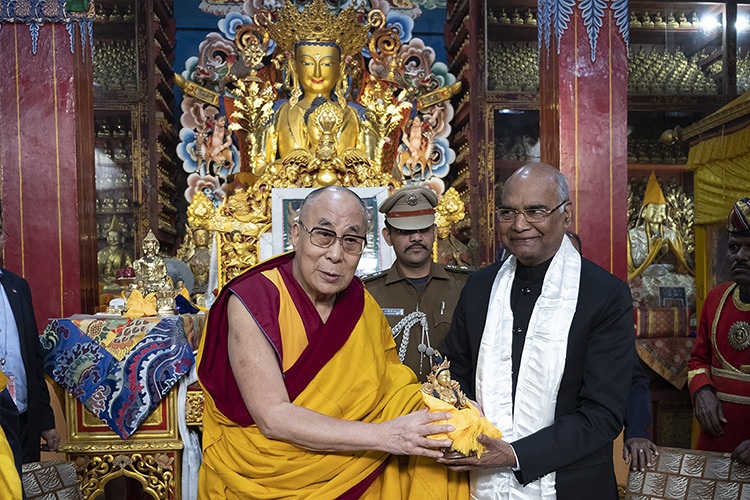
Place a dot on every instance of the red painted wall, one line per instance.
(590, 146)
(38, 162)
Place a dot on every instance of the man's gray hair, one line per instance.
(563, 194)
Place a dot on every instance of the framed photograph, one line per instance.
(285, 205)
(672, 296)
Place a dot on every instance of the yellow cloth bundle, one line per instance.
(468, 422)
(139, 306)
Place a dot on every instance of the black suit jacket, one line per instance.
(594, 387)
(39, 412)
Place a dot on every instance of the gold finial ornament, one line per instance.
(318, 25)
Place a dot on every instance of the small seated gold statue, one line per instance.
(441, 393)
(647, 22)
(152, 270)
(440, 385)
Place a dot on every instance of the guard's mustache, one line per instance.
(416, 245)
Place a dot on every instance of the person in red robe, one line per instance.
(719, 376)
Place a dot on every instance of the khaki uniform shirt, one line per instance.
(398, 298)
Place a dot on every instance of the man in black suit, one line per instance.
(544, 343)
(21, 361)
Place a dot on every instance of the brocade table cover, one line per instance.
(119, 368)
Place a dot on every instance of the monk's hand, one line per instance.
(742, 452)
(640, 452)
(498, 454)
(408, 434)
(709, 411)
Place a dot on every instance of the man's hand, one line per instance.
(407, 435)
(709, 411)
(742, 452)
(640, 452)
(52, 440)
(498, 454)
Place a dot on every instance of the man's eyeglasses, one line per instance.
(531, 215)
(324, 238)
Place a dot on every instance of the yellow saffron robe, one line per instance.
(363, 381)
(10, 482)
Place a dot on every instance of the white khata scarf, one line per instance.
(540, 372)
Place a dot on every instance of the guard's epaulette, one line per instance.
(370, 277)
(460, 269)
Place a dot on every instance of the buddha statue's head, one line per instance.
(200, 236)
(318, 67)
(444, 377)
(113, 238)
(655, 213)
(654, 206)
(150, 244)
(318, 40)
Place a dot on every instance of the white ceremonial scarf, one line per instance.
(541, 368)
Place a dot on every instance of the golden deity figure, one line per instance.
(440, 385)
(653, 241)
(200, 260)
(441, 393)
(316, 137)
(448, 248)
(152, 276)
(113, 256)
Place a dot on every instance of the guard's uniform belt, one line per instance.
(733, 387)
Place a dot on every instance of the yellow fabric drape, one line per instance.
(721, 176)
(10, 483)
(364, 381)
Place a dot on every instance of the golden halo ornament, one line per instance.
(739, 335)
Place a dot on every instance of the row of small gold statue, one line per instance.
(743, 72)
(106, 129)
(103, 227)
(109, 206)
(119, 153)
(645, 20)
(529, 17)
(641, 150)
(668, 72)
(166, 224)
(106, 180)
(114, 66)
(513, 68)
(118, 13)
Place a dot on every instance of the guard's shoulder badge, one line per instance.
(460, 269)
(372, 277)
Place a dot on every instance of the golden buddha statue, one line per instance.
(199, 262)
(112, 257)
(653, 242)
(152, 271)
(316, 126)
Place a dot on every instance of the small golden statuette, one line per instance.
(442, 393)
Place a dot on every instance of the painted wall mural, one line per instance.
(555, 17)
(35, 13)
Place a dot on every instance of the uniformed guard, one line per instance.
(417, 295)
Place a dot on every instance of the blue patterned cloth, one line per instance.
(122, 393)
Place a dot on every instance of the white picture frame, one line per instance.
(285, 203)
